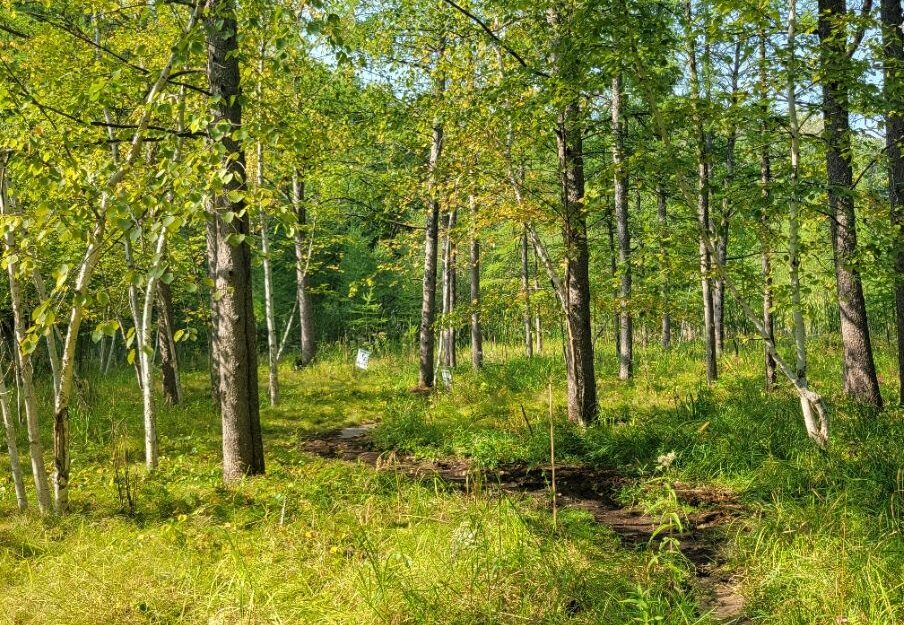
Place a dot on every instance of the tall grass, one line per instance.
(315, 541)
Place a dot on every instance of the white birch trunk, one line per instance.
(10, 428)
(145, 355)
(35, 450)
(92, 254)
(272, 338)
(814, 419)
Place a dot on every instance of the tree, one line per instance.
(625, 322)
(581, 375)
(703, 197)
(474, 273)
(23, 358)
(860, 381)
(431, 240)
(893, 46)
(236, 335)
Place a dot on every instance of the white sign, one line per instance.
(362, 358)
(446, 374)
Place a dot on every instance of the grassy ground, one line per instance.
(326, 541)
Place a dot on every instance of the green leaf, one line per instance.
(60, 275)
(235, 239)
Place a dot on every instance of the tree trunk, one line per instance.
(145, 355)
(817, 427)
(723, 228)
(9, 426)
(23, 360)
(304, 241)
(580, 374)
(474, 268)
(625, 320)
(431, 236)
(893, 44)
(87, 266)
(61, 457)
(766, 197)
(662, 216)
(525, 291)
(213, 343)
(243, 452)
(133, 309)
(166, 345)
(860, 381)
(449, 288)
(538, 320)
(581, 377)
(428, 300)
(269, 312)
(613, 274)
(166, 329)
(709, 332)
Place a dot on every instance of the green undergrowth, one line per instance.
(314, 540)
(820, 540)
(325, 541)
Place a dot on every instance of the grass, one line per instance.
(326, 541)
(313, 540)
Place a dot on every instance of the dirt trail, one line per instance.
(583, 487)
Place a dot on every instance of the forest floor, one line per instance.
(685, 504)
(694, 534)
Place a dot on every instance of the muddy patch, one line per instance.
(587, 488)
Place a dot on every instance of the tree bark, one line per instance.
(23, 359)
(538, 319)
(625, 320)
(243, 452)
(61, 457)
(303, 249)
(663, 218)
(817, 427)
(269, 308)
(431, 236)
(860, 381)
(145, 354)
(581, 376)
(166, 345)
(213, 343)
(702, 204)
(893, 45)
(723, 229)
(613, 275)
(448, 356)
(474, 269)
(53, 352)
(766, 198)
(527, 317)
(166, 329)
(9, 426)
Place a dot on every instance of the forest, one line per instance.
(452, 312)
